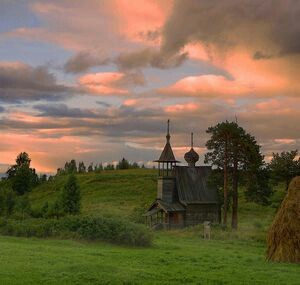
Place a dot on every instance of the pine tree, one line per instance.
(81, 167)
(71, 196)
(233, 151)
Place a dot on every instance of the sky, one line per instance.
(97, 80)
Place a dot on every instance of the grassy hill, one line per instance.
(122, 192)
(177, 257)
(109, 192)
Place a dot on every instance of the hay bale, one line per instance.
(283, 238)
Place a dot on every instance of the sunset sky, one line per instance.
(97, 80)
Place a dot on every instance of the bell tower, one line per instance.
(166, 179)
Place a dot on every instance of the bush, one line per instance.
(85, 227)
(114, 230)
(29, 228)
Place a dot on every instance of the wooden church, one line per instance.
(184, 197)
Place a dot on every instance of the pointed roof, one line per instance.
(167, 154)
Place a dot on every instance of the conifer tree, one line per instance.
(71, 196)
(232, 150)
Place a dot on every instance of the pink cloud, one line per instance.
(285, 141)
(139, 19)
(181, 108)
(207, 86)
(97, 24)
(251, 78)
(102, 83)
(196, 51)
(130, 102)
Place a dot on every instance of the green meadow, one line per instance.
(176, 257)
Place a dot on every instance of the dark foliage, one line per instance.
(284, 166)
(71, 196)
(85, 227)
(22, 177)
(81, 167)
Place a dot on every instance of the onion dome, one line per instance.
(191, 157)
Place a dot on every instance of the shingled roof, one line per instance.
(158, 205)
(192, 185)
(167, 154)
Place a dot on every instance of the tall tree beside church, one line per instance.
(232, 150)
(219, 146)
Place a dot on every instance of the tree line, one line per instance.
(72, 167)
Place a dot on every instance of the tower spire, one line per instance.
(168, 132)
(192, 140)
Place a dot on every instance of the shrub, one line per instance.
(113, 230)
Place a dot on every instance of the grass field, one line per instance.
(177, 257)
(108, 192)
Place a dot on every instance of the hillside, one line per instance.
(116, 192)
(177, 257)
(127, 193)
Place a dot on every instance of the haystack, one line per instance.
(283, 238)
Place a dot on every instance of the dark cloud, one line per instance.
(2, 109)
(84, 60)
(135, 78)
(63, 111)
(264, 25)
(20, 82)
(152, 35)
(103, 104)
(149, 57)
(260, 55)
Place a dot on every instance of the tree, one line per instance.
(219, 155)
(284, 167)
(21, 160)
(233, 151)
(22, 176)
(23, 205)
(109, 167)
(43, 178)
(81, 167)
(90, 167)
(7, 201)
(71, 196)
(134, 165)
(257, 186)
(22, 180)
(71, 167)
(99, 167)
(123, 164)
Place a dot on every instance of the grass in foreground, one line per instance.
(169, 261)
(177, 257)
